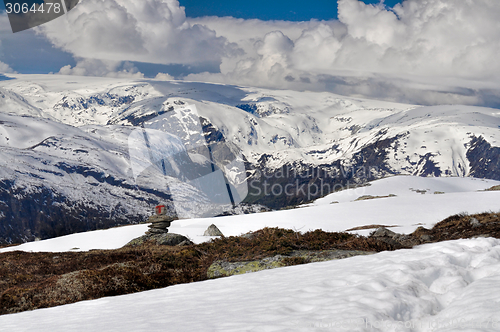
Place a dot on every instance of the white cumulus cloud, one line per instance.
(375, 51)
(154, 31)
(5, 68)
(102, 68)
(432, 51)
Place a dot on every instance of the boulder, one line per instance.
(212, 230)
(161, 239)
(171, 239)
(383, 232)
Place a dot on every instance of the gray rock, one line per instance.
(162, 224)
(170, 239)
(249, 235)
(212, 230)
(224, 268)
(157, 231)
(383, 232)
(474, 222)
(400, 237)
(390, 237)
(162, 239)
(161, 218)
(425, 238)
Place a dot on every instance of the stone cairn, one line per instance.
(160, 221)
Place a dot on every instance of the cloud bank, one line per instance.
(420, 51)
(5, 68)
(427, 52)
(102, 68)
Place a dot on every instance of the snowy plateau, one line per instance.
(65, 164)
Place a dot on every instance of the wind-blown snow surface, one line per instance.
(408, 210)
(447, 286)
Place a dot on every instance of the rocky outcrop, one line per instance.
(484, 159)
(419, 236)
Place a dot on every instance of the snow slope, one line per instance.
(447, 286)
(460, 195)
(52, 172)
(409, 186)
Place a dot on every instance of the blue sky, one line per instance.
(290, 10)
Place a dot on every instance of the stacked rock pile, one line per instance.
(160, 221)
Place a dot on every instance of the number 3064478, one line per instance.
(24, 8)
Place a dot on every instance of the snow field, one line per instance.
(447, 286)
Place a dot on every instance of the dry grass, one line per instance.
(459, 226)
(39, 280)
(494, 188)
(368, 197)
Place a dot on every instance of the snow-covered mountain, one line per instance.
(65, 154)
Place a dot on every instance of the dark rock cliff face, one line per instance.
(428, 166)
(484, 159)
(42, 212)
(298, 183)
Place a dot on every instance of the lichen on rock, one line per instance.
(223, 268)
